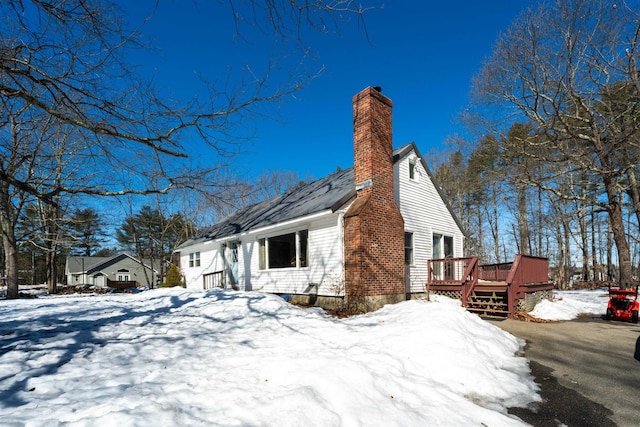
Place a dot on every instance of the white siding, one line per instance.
(424, 213)
(325, 260)
(210, 262)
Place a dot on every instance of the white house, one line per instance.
(363, 233)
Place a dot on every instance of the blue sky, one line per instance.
(423, 54)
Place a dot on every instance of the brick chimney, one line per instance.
(373, 225)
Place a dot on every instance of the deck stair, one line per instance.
(489, 303)
(490, 290)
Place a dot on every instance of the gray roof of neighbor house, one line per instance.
(89, 264)
(80, 264)
(330, 192)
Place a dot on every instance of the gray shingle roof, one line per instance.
(330, 192)
(79, 264)
(91, 264)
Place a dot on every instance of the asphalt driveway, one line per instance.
(588, 370)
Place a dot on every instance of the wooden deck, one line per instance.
(122, 284)
(492, 290)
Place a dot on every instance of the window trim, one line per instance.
(441, 242)
(194, 259)
(409, 250)
(300, 239)
(413, 169)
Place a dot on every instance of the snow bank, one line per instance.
(568, 305)
(177, 357)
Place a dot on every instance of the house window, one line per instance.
(262, 254)
(408, 248)
(303, 247)
(123, 275)
(194, 259)
(412, 169)
(284, 251)
(442, 246)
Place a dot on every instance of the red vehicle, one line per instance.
(623, 305)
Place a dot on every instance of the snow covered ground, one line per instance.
(177, 357)
(567, 305)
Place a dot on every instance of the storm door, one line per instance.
(231, 260)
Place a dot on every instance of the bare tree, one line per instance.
(66, 63)
(19, 145)
(557, 66)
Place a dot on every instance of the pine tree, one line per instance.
(173, 277)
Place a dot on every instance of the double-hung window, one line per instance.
(284, 251)
(194, 259)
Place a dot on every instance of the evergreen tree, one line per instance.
(152, 236)
(173, 277)
(87, 231)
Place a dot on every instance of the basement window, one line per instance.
(284, 251)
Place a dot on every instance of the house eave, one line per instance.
(263, 230)
(406, 150)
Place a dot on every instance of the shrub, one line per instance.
(173, 277)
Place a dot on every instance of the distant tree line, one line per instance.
(151, 233)
(554, 169)
(79, 120)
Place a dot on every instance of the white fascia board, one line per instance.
(197, 247)
(286, 224)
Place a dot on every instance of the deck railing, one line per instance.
(213, 280)
(450, 270)
(495, 272)
(459, 273)
(529, 270)
(526, 273)
(122, 284)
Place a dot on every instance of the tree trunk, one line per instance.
(480, 245)
(584, 245)
(634, 192)
(539, 251)
(523, 222)
(562, 278)
(10, 259)
(567, 265)
(495, 226)
(594, 259)
(8, 242)
(616, 219)
(52, 282)
(609, 252)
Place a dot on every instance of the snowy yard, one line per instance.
(178, 357)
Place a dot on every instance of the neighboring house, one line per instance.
(361, 235)
(104, 271)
